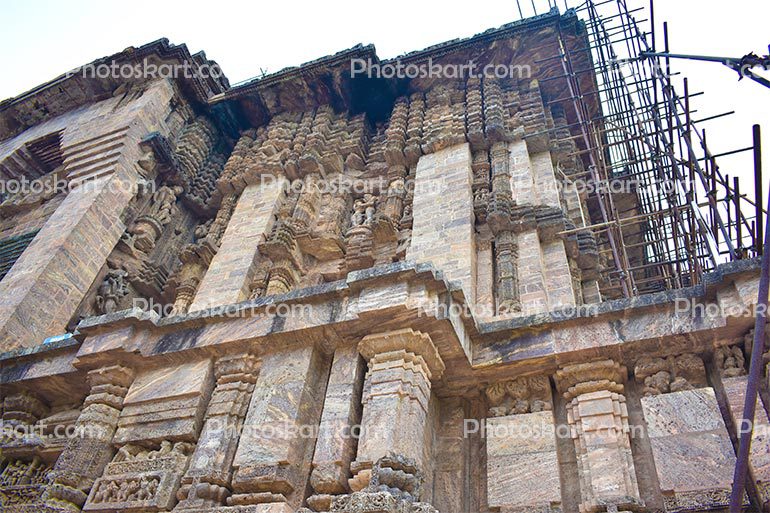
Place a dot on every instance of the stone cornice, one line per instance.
(388, 298)
(72, 89)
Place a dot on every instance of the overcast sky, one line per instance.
(42, 39)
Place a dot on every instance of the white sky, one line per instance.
(42, 39)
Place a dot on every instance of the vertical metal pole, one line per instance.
(755, 371)
(758, 187)
(737, 202)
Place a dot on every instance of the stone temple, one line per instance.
(316, 291)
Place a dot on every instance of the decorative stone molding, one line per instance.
(394, 487)
(407, 340)
(335, 446)
(272, 463)
(402, 364)
(140, 479)
(581, 378)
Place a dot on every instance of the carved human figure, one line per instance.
(111, 290)
(363, 210)
(163, 202)
(730, 361)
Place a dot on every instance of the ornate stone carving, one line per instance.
(113, 288)
(140, 478)
(672, 374)
(395, 487)
(148, 227)
(518, 396)
(335, 446)
(730, 361)
(21, 485)
(402, 364)
(207, 479)
(86, 454)
(195, 258)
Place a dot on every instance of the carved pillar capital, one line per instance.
(23, 408)
(582, 378)
(396, 344)
(396, 394)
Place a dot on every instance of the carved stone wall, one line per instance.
(694, 458)
(297, 232)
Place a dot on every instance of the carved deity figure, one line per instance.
(730, 361)
(163, 203)
(111, 290)
(363, 211)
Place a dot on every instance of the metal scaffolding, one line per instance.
(684, 214)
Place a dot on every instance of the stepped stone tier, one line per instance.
(320, 291)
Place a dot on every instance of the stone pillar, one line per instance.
(530, 267)
(443, 229)
(157, 429)
(598, 419)
(20, 411)
(451, 457)
(402, 364)
(206, 482)
(87, 454)
(506, 273)
(522, 463)
(731, 365)
(546, 282)
(228, 279)
(336, 444)
(273, 459)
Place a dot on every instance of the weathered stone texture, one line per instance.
(273, 460)
(229, 276)
(522, 465)
(288, 240)
(694, 457)
(443, 216)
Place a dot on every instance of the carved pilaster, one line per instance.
(196, 257)
(207, 480)
(500, 202)
(506, 274)
(87, 453)
(336, 444)
(273, 460)
(598, 419)
(396, 393)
